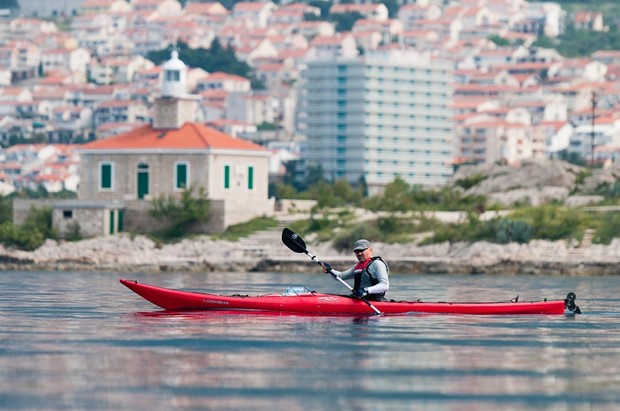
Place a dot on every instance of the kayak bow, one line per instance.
(305, 301)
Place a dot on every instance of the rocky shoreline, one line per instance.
(125, 253)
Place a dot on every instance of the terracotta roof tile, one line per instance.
(192, 136)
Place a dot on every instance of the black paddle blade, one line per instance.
(293, 241)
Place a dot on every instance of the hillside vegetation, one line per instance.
(497, 203)
(501, 204)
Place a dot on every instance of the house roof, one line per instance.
(191, 136)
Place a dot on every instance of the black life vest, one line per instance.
(361, 269)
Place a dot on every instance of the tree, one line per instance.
(6, 209)
(314, 175)
(324, 6)
(345, 21)
(392, 6)
(216, 58)
(498, 40)
(395, 197)
(580, 43)
(9, 4)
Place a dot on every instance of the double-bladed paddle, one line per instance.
(293, 241)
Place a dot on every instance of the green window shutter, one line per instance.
(226, 176)
(181, 175)
(106, 176)
(112, 222)
(250, 178)
(120, 220)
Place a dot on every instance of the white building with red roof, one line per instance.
(49, 9)
(224, 81)
(338, 45)
(63, 59)
(410, 13)
(310, 29)
(257, 12)
(120, 175)
(293, 13)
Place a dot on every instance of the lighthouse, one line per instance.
(174, 107)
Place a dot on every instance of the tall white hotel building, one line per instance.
(381, 115)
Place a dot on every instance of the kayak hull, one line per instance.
(330, 304)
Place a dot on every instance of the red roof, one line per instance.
(192, 136)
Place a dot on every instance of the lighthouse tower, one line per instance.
(174, 107)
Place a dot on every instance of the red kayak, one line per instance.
(304, 301)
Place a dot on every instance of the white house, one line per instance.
(258, 12)
(62, 59)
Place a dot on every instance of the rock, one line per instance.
(534, 182)
(580, 201)
(600, 178)
(530, 196)
(202, 254)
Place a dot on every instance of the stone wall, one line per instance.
(21, 208)
(137, 218)
(90, 221)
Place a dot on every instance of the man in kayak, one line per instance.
(370, 274)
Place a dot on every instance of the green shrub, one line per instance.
(181, 213)
(607, 228)
(73, 232)
(552, 222)
(513, 231)
(6, 210)
(470, 181)
(344, 241)
(24, 239)
(29, 236)
(237, 231)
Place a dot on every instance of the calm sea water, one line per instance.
(82, 341)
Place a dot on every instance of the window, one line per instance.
(250, 178)
(226, 176)
(181, 171)
(172, 75)
(106, 176)
(67, 214)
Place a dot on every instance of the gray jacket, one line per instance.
(377, 269)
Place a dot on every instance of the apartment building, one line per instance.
(383, 115)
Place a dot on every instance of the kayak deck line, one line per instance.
(306, 301)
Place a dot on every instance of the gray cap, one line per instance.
(361, 244)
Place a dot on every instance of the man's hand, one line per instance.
(326, 267)
(360, 293)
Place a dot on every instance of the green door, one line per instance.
(143, 180)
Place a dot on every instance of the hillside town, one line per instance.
(413, 94)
